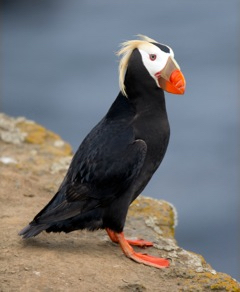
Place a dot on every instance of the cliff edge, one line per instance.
(33, 162)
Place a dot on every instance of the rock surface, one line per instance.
(33, 162)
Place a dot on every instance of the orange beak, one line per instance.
(171, 78)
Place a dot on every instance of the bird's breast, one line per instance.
(155, 131)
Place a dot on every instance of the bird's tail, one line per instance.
(32, 230)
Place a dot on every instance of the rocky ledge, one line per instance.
(33, 162)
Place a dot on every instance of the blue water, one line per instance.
(60, 70)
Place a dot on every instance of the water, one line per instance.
(60, 70)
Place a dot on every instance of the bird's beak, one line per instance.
(171, 78)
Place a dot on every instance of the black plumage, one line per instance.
(115, 161)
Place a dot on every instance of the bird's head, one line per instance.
(158, 59)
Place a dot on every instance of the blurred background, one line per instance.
(59, 69)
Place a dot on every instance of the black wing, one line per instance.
(104, 167)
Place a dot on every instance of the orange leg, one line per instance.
(112, 235)
(137, 257)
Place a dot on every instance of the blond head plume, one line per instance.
(126, 51)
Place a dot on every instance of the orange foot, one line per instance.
(137, 257)
(138, 242)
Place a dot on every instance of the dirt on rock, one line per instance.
(33, 162)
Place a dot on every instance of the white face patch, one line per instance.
(154, 59)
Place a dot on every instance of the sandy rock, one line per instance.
(33, 162)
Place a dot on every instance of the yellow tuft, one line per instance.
(126, 51)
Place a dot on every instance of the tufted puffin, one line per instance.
(118, 157)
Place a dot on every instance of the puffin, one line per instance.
(117, 159)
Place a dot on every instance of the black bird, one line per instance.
(118, 157)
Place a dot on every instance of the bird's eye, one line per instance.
(153, 57)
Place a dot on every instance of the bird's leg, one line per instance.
(112, 235)
(137, 242)
(138, 257)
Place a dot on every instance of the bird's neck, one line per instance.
(151, 104)
(143, 92)
(147, 101)
(143, 99)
